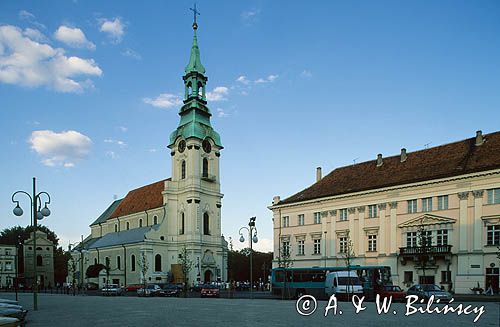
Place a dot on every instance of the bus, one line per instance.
(295, 282)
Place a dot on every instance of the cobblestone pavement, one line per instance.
(65, 310)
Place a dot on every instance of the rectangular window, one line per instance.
(412, 206)
(343, 214)
(8, 265)
(301, 220)
(426, 204)
(493, 235)
(408, 277)
(7, 252)
(445, 276)
(342, 244)
(411, 239)
(442, 237)
(286, 248)
(443, 202)
(426, 238)
(286, 221)
(372, 211)
(317, 218)
(494, 196)
(301, 247)
(317, 246)
(372, 243)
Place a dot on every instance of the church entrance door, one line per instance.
(208, 276)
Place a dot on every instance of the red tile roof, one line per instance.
(443, 161)
(141, 199)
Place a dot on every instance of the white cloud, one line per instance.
(114, 28)
(73, 37)
(30, 18)
(60, 149)
(243, 80)
(131, 54)
(117, 142)
(268, 79)
(123, 129)
(26, 62)
(218, 94)
(164, 100)
(306, 73)
(250, 16)
(221, 113)
(152, 150)
(111, 154)
(35, 35)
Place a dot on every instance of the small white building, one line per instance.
(8, 266)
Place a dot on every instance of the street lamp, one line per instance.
(80, 250)
(37, 213)
(252, 238)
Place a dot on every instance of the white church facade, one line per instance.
(158, 221)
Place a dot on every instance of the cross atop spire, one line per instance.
(195, 13)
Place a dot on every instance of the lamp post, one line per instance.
(17, 265)
(80, 250)
(252, 238)
(37, 213)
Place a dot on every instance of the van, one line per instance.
(341, 283)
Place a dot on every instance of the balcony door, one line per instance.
(426, 280)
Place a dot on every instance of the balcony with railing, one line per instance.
(425, 250)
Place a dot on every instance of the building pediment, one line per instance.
(427, 219)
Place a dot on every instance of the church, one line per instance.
(155, 224)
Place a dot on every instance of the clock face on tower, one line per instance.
(182, 146)
(207, 147)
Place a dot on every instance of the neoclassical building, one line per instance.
(159, 220)
(44, 260)
(8, 258)
(432, 215)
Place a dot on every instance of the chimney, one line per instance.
(403, 155)
(379, 160)
(318, 174)
(479, 138)
(276, 199)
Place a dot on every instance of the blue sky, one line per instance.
(89, 93)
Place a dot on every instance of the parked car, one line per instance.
(210, 291)
(170, 290)
(150, 290)
(112, 289)
(13, 313)
(10, 322)
(196, 288)
(425, 291)
(133, 287)
(397, 294)
(9, 301)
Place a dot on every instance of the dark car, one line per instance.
(210, 291)
(398, 295)
(170, 290)
(425, 291)
(196, 288)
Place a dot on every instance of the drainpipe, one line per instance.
(147, 218)
(98, 261)
(125, 265)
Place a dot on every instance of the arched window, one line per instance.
(183, 169)
(155, 220)
(118, 262)
(132, 259)
(206, 224)
(39, 260)
(140, 222)
(157, 262)
(205, 167)
(181, 232)
(116, 228)
(128, 225)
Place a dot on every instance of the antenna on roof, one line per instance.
(115, 197)
(426, 145)
(354, 160)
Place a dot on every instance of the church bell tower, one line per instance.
(193, 195)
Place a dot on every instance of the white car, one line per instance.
(343, 283)
(112, 289)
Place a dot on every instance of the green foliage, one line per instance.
(186, 265)
(239, 265)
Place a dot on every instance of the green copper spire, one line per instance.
(195, 115)
(194, 60)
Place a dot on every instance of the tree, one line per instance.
(285, 262)
(423, 241)
(186, 266)
(348, 255)
(143, 266)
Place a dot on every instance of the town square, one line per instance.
(264, 163)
